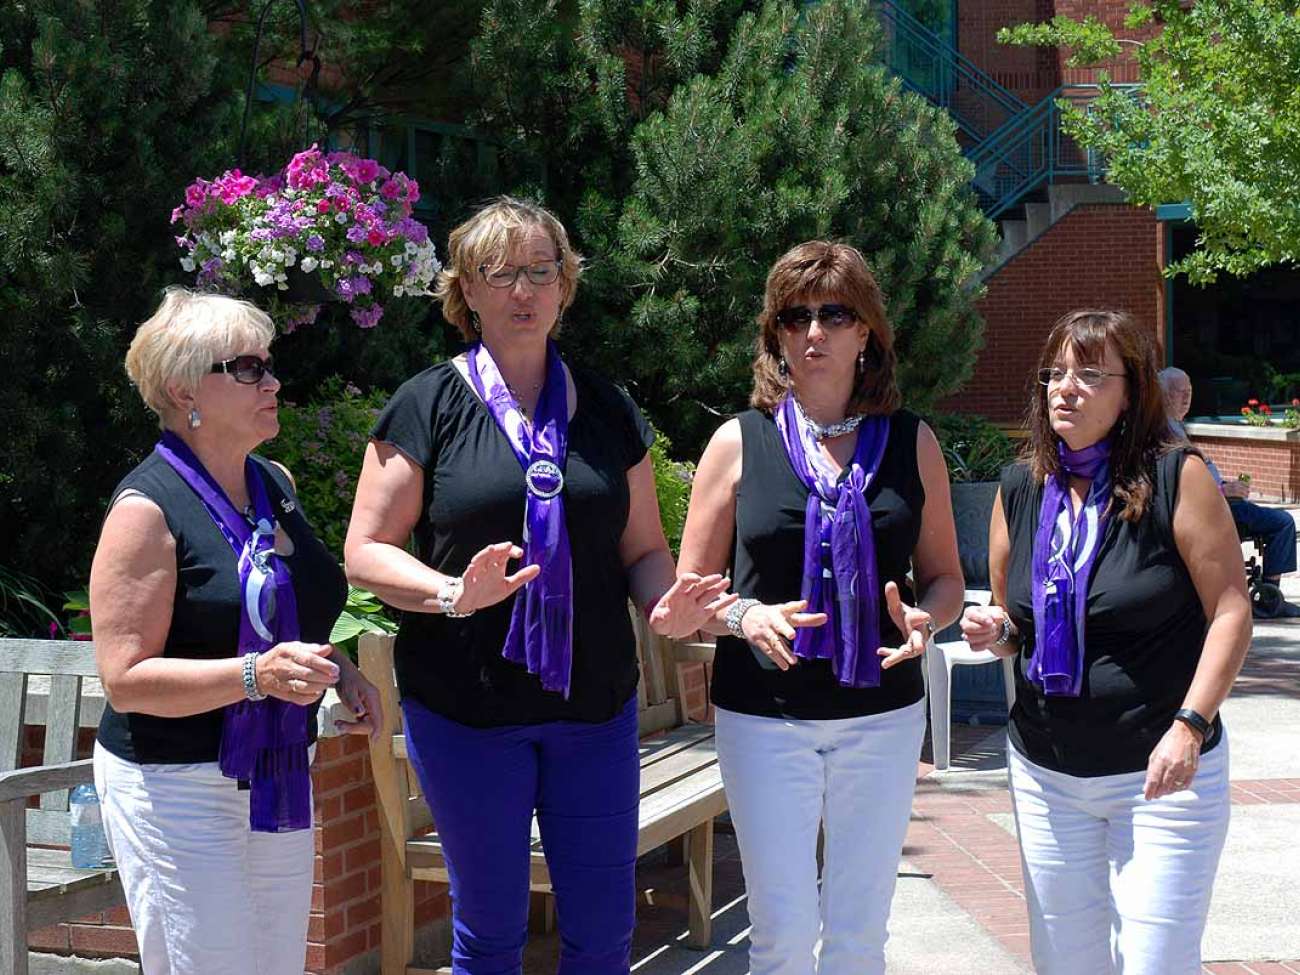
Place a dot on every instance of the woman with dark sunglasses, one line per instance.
(1117, 584)
(518, 687)
(212, 602)
(821, 500)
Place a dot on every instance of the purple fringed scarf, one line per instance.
(262, 742)
(839, 550)
(1065, 551)
(541, 625)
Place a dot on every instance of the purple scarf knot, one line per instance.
(263, 743)
(1065, 554)
(839, 553)
(541, 624)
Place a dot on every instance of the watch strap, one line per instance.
(1194, 720)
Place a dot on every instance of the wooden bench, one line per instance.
(681, 793)
(38, 884)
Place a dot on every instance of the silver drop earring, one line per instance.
(862, 359)
(783, 368)
(474, 323)
(195, 420)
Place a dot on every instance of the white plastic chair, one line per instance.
(940, 658)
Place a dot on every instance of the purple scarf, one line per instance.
(262, 742)
(541, 625)
(1065, 552)
(839, 549)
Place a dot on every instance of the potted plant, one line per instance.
(328, 227)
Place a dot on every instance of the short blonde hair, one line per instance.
(484, 239)
(189, 332)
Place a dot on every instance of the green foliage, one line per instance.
(77, 604)
(362, 613)
(322, 443)
(974, 448)
(1217, 125)
(24, 606)
(673, 488)
(689, 145)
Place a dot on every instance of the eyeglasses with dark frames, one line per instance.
(1087, 377)
(539, 273)
(799, 318)
(246, 369)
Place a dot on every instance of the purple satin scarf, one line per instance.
(262, 742)
(1065, 552)
(839, 549)
(541, 625)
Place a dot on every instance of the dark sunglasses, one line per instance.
(800, 317)
(247, 369)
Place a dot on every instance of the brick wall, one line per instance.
(1028, 72)
(1273, 466)
(1112, 14)
(344, 927)
(1098, 255)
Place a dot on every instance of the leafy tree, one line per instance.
(1217, 123)
(687, 145)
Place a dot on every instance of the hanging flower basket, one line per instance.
(327, 227)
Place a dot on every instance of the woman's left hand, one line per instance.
(690, 602)
(361, 698)
(1173, 761)
(914, 623)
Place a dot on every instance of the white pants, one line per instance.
(207, 895)
(1117, 885)
(784, 778)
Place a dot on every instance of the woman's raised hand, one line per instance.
(689, 603)
(771, 628)
(296, 672)
(486, 582)
(912, 621)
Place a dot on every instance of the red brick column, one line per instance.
(1273, 463)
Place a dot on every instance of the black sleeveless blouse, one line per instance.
(767, 564)
(1142, 639)
(207, 604)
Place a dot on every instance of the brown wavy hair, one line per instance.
(1141, 434)
(824, 267)
(485, 238)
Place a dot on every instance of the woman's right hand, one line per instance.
(485, 581)
(982, 625)
(771, 628)
(296, 672)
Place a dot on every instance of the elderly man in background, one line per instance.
(1275, 527)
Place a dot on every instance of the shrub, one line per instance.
(974, 448)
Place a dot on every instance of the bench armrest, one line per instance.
(23, 782)
(693, 652)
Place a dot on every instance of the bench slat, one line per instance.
(51, 873)
(13, 693)
(671, 812)
(73, 657)
(685, 763)
(61, 731)
(675, 740)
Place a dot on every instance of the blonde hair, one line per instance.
(484, 239)
(189, 332)
(824, 267)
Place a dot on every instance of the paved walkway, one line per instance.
(959, 905)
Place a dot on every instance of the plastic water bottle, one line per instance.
(89, 844)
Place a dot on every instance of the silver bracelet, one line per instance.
(736, 613)
(449, 594)
(1005, 636)
(251, 690)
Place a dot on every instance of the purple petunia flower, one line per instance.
(315, 243)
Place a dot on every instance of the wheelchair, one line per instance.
(1265, 598)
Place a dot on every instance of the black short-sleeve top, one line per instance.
(474, 496)
(208, 602)
(1143, 636)
(767, 564)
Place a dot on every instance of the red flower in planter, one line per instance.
(1252, 402)
(1265, 409)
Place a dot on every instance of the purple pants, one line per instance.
(483, 786)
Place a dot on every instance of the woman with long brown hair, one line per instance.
(822, 499)
(1117, 580)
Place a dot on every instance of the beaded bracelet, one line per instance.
(251, 690)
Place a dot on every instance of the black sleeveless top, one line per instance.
(207, 604)
(1142, 638)
(768, 565)
(474, 496)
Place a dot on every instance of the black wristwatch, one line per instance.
(1194, 720)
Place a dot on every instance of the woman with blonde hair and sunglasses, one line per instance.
(212, 602)
(1117, 583)
(823, 499)
(518, 688)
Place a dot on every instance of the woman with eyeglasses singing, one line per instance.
(518, 687)
(822, 499)
(1117, 581)
(212, 602)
